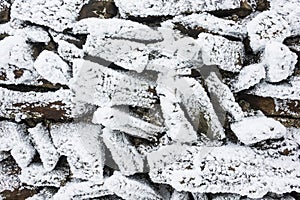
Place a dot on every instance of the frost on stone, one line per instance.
(255, 129)
(212, 24)
(36, 175)
(129, 188)
(294, 134)
(13, 139)
(81, 190)
(290, 90)
(9, 176)
(224, 169)
(44, 194)
(52, 68)
(81, 144)
(20, 105)
(125, 155)
(190, 94)
(279, 61)
(217, 50)
(249, 76)
(16, 62)
(42, 142)
(199, 196)
(226, 197)
(268, 26)
(122, 120)
(224, 96)
(4, 154)
(58, 15)
(68, 51)
(102, 86)
(126, 45)
(146, 8)
(179, 128)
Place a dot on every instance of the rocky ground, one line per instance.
(149, 99)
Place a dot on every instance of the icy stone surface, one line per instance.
(52, 68)
(266, 27)
(128, 159)
(36, 175)
(122, 120)
(213, 24)
(82, 145)
(121, 186)
(42, 142)
(249, 76)
(44, 194)
(279, 60)
(217, 50)
(68, 51)
(146, 8)
(179, 195)
(224, 169)
(224, 96)
(8, 176)
(57, 15)
(251, 130)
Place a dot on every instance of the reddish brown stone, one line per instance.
(102, 9)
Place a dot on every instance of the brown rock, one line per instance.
(4, 15)
(101, 9)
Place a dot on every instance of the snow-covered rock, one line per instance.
(249, 76)
(58, 15)
(279, 61)
(42, 142)
(255, 129)
(52, 68)
(125, 155)
(217, 50)
(268, 26)
(82, 145)
(146, 8)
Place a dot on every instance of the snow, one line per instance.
(122, 120)
(8, 177)
(52, 68)
(279, 61)
(15, 54)
(82, 145)
(68, 51)
(224, 169)
(42, 142)
(179, 195)
(255, 129)
(144, 8)
(58, 15)
(215, 25)
(217, 50)
(268, 26)
(123, 152)
(249, 76)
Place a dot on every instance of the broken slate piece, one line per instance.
(255, 129)
(43, 144)
(279, 61)
(125, 155)
(217, 50)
